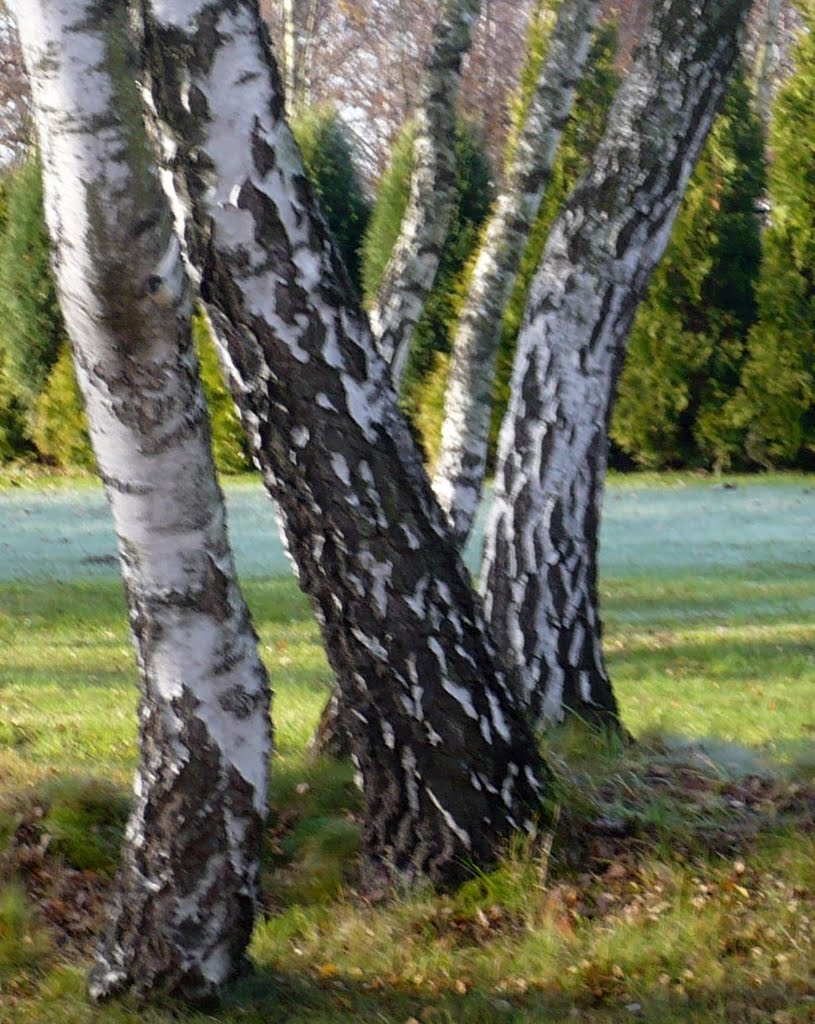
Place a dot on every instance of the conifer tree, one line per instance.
(329, 163)
(776, 402)
(687, 345)
(31, 326)
(13, 438)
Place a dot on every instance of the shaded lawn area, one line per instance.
(680, 885)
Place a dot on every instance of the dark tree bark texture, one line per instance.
(184, 900)
(540, 569)
(449, 768)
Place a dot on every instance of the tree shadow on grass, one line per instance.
(665, 876)
(301, 998)
(723, 657)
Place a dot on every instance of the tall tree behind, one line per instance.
(472, 199)
(31, 325)
(14, 440)
(540, 569)
(776, 403)
(329, 162)
(463, 455)
(581, 137)
(768, 59)
(688, 343)
(449, 768)
(364, 56)
(185, 897)
(414, 262)
(15, 99)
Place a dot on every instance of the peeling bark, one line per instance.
(448, 766)
(540, 568)
(468, 401)
(185, 897)
(414, 262)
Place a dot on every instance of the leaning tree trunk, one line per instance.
(540, 569)
(448, 766)
(414, 262)
(417, 252)
(184, 900)
(468, 401)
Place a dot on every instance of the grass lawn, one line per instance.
(679, 884)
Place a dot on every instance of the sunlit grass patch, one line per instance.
(678, 884)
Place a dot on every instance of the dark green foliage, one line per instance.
(41, 411)
(687, 346)
(329, 162)
(473, 196)
(582, 134)
(31, 326)
(776, 404)
(14, 440)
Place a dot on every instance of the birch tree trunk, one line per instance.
(539, 575)
(448, 766)
(468, 401)
(413, 265)
(184, 900)
(290, 54)
(767, 62)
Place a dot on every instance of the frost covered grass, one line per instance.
(679, 884)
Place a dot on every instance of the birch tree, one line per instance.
(448, 767)
(767, 60)
(14, 96)
(184, 900)
(539, 576)
(468, 400)
(412, 268)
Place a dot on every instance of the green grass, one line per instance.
(679, 885)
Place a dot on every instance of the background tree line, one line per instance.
(720, 369)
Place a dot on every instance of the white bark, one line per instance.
(290, 54)
(185, 897)
(540, 574)
(413, 265)
(769, 57)
(449, 768)
(468, 400)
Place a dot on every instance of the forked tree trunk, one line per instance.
(540, 569)
(185, 897)
(448, 766)
(413, 265)
(462, 459)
